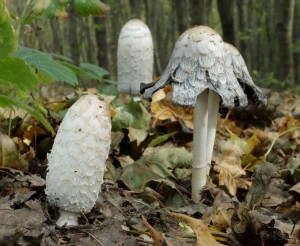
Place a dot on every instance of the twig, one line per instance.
(94, 237)
(294, 225)
(9, 174)
(84, 216)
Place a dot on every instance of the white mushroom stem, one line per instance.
(205, 123)
(213, 110)
(199, 145)
(67, 218)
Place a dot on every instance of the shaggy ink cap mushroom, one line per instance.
(204, 71)
(76, 164)
(200, 61)
(135, 57)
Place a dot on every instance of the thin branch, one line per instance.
(95, 238)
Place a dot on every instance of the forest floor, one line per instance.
(251, 198)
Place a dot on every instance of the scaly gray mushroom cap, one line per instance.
(135, 56)
(198, 62)
(242, 74)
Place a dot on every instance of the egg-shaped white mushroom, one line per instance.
(135, 57)
(77, 159)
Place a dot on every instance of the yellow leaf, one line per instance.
(246, 145)
(216, 229)
(186, 227)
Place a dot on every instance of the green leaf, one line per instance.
(133, 115)
(10, 102)
(93, 71)
(161, 162)
(109, 90)
(50, 8)
(90, 7)
(44, 62)
(160, 139)
(61, 57)
(8, 38)
(136, 176)
(16, 72)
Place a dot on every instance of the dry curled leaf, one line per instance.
(204, 237)
(226, 179)
(163, 109)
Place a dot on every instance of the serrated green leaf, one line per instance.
(133, 115)
(44, 62)
(10, 102)
(17, 72)
(90, 7)
(8, 38)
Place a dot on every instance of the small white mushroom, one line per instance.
(135, 57)
(204, 72)
(77, 159)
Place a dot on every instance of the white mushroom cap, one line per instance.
(199, 61)
(77, 159)
(135, 57)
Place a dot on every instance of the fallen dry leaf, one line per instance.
(220, 213)
(28, 220)
(9, 155)
(204, 237)
(226, 179)
(263, 176)
(275, 194)
(294, 240)
(163, 109)
(156, 236)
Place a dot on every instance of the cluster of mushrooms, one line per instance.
(205, 73)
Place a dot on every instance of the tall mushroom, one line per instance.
(204, 73)
(135, 57)
(77, 159)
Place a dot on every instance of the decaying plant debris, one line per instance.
(252, 197)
